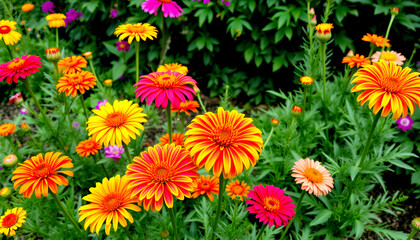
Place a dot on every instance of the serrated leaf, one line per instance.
(401, 164)
(321, 217)
(353, 172)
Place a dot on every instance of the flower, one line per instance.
(123, 46)
(72, 15)
(356, 60)
(206, 185)
(323, 31)
(10, 160)
(113, 13)
(87, 55)
(76, 125)
(177, 139)
(389, 56)
(25, 126)
(314, 177)
(405, 123)
(72, 64)
(47, 7)
(7, 129)
(274, 122)
(296, 111)
(42, 173)
(114, 152)
(115, 123)
(395, 11)
(416, 224)
(88, 147)
(12, 220)
(23, 111)
(19, 68)
(138, 31)
(5, 192)
(27, 7)
(271, 205)
(8, 33)
(101, 103)
(160, 174)
(169, 8)
(176, 67)
(56, 20)
(185, 107)
(163, 87)
(306, 80)
(53, 54)
(376, 40)
(17, 99)
(109, 201)
(225, 141)
(72, 82)
(388, 87)
(108, 82)
(237, 190)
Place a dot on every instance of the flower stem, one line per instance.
(56, 36)
(84, 106)
(310, 30)
(36, 142)
(260, 233)
(163, 40)
(128, 233)
(372, 48)
(169, 120)
(412, 234)
(327, 11)
(411, 57)
(71, 125)
(127, 153)
(8, 50)
(30, 110)
(57, 72)
(182, 122)
(137, 45)
(173, 219)
(35, 231)
(269, 137)
(302, 194)
(93, 69)
(322, 47)
(201, 103)
(103, 166)
(66, 213)
(304, 100)
(219, 205)
(372, 129)
(387, 34)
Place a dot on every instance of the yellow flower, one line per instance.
(12, 220)
(139, 31)
(8, 33)
(176, 67)
(56, 20)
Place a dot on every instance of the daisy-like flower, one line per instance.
(7, 129)
(405, 123)
(185, 107)
(389, 56)
(41, 173)
(160, 174)
(271, 205)
(206, 185)
(137, 31)
(169, 8)
(114, 152)
(388, 87)
(12, 220)
(176, 67)
(113, 13)
(116, 123)
(88, 147)
(376, 40)
(101, 103)
(21, 67)
(323, 31)
(226, 141)
(8, 33)
(356, 60)
(76, 82)
(163, 87)
(72, 64)
(27, 7)
(48, 7)
(314, 177)
(177, 139)
(236, 189)
(56, 20)
(109, 201)
(123, 46)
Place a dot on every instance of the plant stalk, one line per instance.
(323, 49)
(169, 120)
(84, 106)
(66, 213)
(183, 115)
(387, 34)
(35, 231)
(260, 233)
(372, 129)
(163, 40)
(269, 137)
(8, 50)
(412, 234)
(127, 153)
(302, 194)
(56, 36)
(219, 205)
(103, 166)
(173, 219)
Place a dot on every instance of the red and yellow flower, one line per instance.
(206, 185)
(7, 129)
(236, 189)
(88, 147)
(72, 83)
(12, 220)
(356, 60)
(8, 33)
(21, 67)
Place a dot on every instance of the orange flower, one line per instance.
(177, 139)
(185, 107)
(314, 177)
(27, 7)
(206, 185)
(324, 28)
(25, 126)
(88, 147)
(296, 111)
(73, 82)
(7, 129)
(388, 87)
(161, 173)
(72, 64)
(56, 20)
(235, 189)
(375, 39)
(356, 60)
(306, 80)
(176, 67)
(42, 173)
(225, 141)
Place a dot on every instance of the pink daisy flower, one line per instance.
(162, 87)
(389, 56)
(19, 68)
(271, 205)
(169, 8)
(405, 123)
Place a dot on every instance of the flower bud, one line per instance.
(306, 81)
(16, 99)
(196, 90)
(395, 11)
(165, 234)
(53, 54)
(313, 21)
(108, 83)
(323, 32)
(350, 54)
(87, 55)
(274, 122)
(312, 12)
(10, 160)
(296, 111)
(416, 223)
(25, 127)
(5, 192)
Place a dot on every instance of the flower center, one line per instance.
(116, 152)
(161, 174)
(42, 171)
(16, 64)
(387, 56)
(89, 145)
(205, 186)
(111, 202)
(138, 29)
(9, 220)
(164, 1)
(5, 29)
(390, 84)
(313, 175)
(8, 159)
(224, 136)
(76, 81)
(122, 45)
(405, 122)
(237, 190)
(165, 81)
(271, 204)
(115, 119)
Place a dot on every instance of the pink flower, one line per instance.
(101, 103)
(17, 99)
(405, 123)
(389, 56)
(23, 111)
(169, 8)
(123, 46)
(76, 125)
(21, 67)
(113, 12)
(114, 152)
(271, 205)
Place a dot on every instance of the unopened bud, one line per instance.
(5, 192)
(25, 127)
(306, 81)
(296, 111)
(10, 160)
(311, 12)
(350, 53)
(53, 54)
(165, 234)
(196, 90)
(416, 223)
(323, 32)
(16, 99)
(108, 83)
(87, 55)
(395, 11)
(313, 21)
(274, 122)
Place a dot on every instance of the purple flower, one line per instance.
(23, 111)
(47, 7)
(123, 46)
(76, 124)
(114, 152)
(72, 15)
(114, 13)
(405, 123)
(101, 103)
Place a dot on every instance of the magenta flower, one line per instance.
(113, 12)
(271, 205)
(101, 103)
(76, 125)
(169, 8)
(405, 123)
(17, 99)
(23, 111)
(48, 7)
(123, 46)
(114, 152)
(72, 15)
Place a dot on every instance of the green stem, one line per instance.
(219, 205)
(103, 166)
(387, 34)
(412, 234)
(35, 231)
(327, 11)
(269, 137)
(30, 110)
(36, 142)
(71, 127)
(66, 213)
(372, 48)
(304, 100)
(128, 233)
(8, 50)
(169, 120)
(57, 71)
(349, 77)
(56, 36)
(10, 139)
(137, 44)
(8, 11)
(127, 153)
(225, 104)
(260, 233)
(173, 219)
(201, 103)
(235, 211)
(84, 106)
(324, 74)
(182, 122)
(163, 40)
(372, 129)
(310, 30)
(93, 69)
(411, 57)
(302, 194)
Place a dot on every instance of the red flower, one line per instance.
(19, 68)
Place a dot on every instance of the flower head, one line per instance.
(388, 87)
(21, 67)
(88, 147)
(72, 15)
(48, 7)
(109, 201)
(73, 82)
(8, 33)
(356, 60)
(296, 111)
(416, 223)
(116, 123)
(10, 160)
(306, 80)
(12, 220)
(206, 185)
(185, 107)
(5, 192)
(56, 20)
(76, 125)
(226, 141)
(23, 111)
(137, 31)
(16, 99)
(113, 13)
(323, 31)
(160, 174)
(271, 205)
(395, 11)
(236, 189)
(163, 87)
(274, 122)
(101, 103)
(177, 139)
(114, 152)
(53, 54)
(405, 123)
(72, 64)
(379, 41)
(169, 8)
(123, 46)
(389, 56)
(87, 55)
(176, 67)
(314, 177)
(25, 126)
(27, 7)
(7, 129)
(40, 173)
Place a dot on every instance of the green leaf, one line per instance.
(269, 26)
(284, 17)
(278, 36)
(203, 14)
(401, 164)
(90, 6)
(248, 54)
(118, 69)
(263, 43)
(258, 61)
(321, 217)
(135, 2)
(415, 178)
(289, 33)
(353, 172)
(112, 49)
(251, 5)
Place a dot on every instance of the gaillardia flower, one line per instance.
(389, 56)
(176, 67)
(12, 220)
(236, 189)
(169, 8)
(7, 129)
(314, 177)
(109, 201)
(72, 64)
(76, 82)
(356, 60)
(177, 139)
(160, 174)
(116, 123)
(21, 67)
(225, 141)
(88, 147)
(388, 87)
(137, 31)
(163, 87)
(206, 185)
(376, 40)
(8, 33)
(40, 174)
(185, 107)
(56, 20)
(323, 31)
